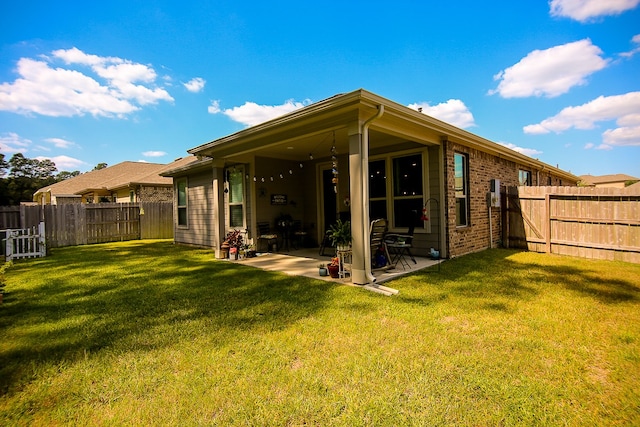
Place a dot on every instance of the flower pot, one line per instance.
(333, 270)
(323, 271)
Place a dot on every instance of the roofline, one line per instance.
(203, 164)
(362, 96)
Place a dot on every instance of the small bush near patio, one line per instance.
(150, 333)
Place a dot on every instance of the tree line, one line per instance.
(21, 177)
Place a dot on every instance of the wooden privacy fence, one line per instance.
(81, 224)
(600, 223)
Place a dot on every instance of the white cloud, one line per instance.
(195, 85)
(64, 162)
(550, 72)
(60, 143)
(586, 10)
(114, 90)
(453, 112)
(526, 151)
(11, 143)
(589, 145)
(214, 108)
(154, 153)
(624, 109)
(604, 147)
(635, 40)
(251, 114)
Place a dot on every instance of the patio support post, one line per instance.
(359, 189)
(358, 270)
(217, 214)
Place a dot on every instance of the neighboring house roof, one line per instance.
(121, 175)
(633, 188)
(607, 179)
(308, 126)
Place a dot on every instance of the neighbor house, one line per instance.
(120, 183)
(358, 156)
(610, 181)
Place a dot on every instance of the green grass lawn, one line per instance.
(150, 333)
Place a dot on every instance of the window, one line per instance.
(182, 202)
(407, 190)
(236, 197)
(378, 189)
(524, 177)
(132, 196)
(461, 163)
(398, 197)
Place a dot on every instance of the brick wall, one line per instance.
(154, 194)
(482, 168)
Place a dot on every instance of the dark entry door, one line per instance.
(330, 208)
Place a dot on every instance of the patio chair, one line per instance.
(400, 245)
(266, 235)
(379, 253)
(299, 235)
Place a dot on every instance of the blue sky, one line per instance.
(83, 83)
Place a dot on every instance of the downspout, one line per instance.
(365, 192)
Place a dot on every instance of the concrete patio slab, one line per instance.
(304, 262)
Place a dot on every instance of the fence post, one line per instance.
(42, 243)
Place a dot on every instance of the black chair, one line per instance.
(299, 235)
(400, 244)
(379, 253)
(266, 235)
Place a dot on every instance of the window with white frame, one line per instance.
(378, 189)
(400, 200)
(236, 197)
(524, 177)
(408, 190)
(461, 166)
(182, 202)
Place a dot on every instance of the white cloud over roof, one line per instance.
(64, 162)
(454, 112)
(60, 143)
(154, 153)
(110, 87)
(586, 10)
(195, 85)
(624, 109)
(550, 72)
(251, 114)
(522, 150)
(11, 142)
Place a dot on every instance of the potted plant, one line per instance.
(334, 267)
(340, 234)
(322, 270)
(234, 240)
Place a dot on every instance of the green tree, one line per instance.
(66, 175)
(25, 177)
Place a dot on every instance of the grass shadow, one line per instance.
(134, 294)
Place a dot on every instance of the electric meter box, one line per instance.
(495, 193)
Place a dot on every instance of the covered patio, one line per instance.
(355, 156)
(304, 262)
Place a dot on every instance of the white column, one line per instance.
(217, 209)
(359, 212)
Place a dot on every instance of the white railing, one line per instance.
(25, 243)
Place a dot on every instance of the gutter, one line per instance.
(365, 192)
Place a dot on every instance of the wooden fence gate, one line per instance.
(600, 223)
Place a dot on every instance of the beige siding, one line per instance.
(199, 229)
